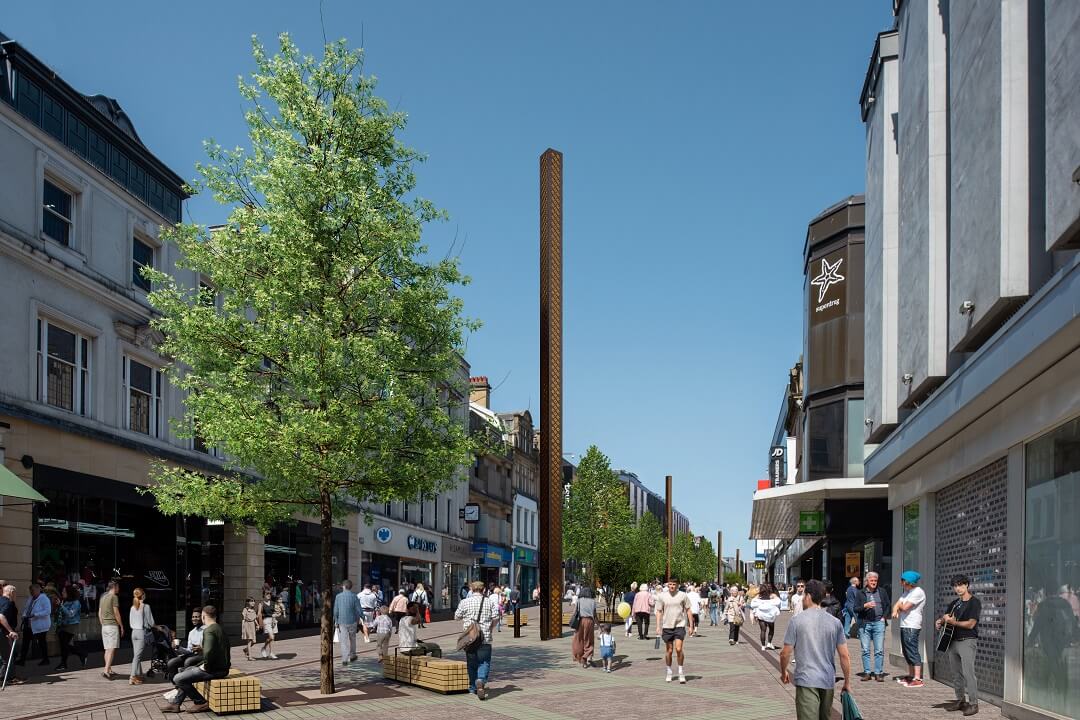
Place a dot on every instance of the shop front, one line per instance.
(494, 567)
(458, 563)
(293, 567)
(400, 556)
(94, 530)
(526, 571)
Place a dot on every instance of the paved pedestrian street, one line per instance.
(530, 681)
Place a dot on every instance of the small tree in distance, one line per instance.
(323, 353)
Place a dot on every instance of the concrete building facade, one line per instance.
(974, 424)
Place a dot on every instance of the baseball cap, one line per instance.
(910, 576)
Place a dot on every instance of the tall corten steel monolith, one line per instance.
(551, 477)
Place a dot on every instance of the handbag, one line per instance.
(737, 618)
(473, 637)
(850, 709)
(575, 620)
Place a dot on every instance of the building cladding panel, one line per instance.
(1062, 123)
(971, 538)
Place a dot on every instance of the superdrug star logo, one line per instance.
(829, 276)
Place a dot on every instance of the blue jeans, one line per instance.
(479, 664)
(873, 632)
(714, 614)
(849, 615)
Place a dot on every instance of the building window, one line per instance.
(63, 368)
(57, 217)
(825, 437)
(142, 255)
(142, 386)
(911, 535)
(420, 503)
(435, 513)
(855, 447)
(449, 512)
(1052, 571)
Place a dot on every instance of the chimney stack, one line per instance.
(480, 391)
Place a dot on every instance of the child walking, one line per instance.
(607, 646)
(384, 626)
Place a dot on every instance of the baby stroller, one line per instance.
(161, 650)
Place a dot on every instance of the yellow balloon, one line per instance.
(624, 610)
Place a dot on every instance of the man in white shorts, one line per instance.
(673, 616)
(112, 627)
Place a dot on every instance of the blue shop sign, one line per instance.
(524, 556)
(421, 544)
(492, 555)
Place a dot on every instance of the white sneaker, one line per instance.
(265, 654)
(273, 657)
(682, 679)
(667, 678)
(762, 648)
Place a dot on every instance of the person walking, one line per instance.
(369, 601)
(112, 627)
(766, 608)
(140, 619)
(733, 614)
(963, 617)
(694, 597)
(850, 596)
(871, 609)
(909, 611)
(716, 599)
(479, 610)
(249, 626)
(347, 614)
(815, 638)
(642, 609)
(831, 605)
(629, 598)
(582, 645)
(673, 617)
(216, 664)
(607, 646)
(67, 626)
(36, 620)
(398, 606)
(795, 602)
(9, 634)
(420, 597)
(384, 628)
(270, 611)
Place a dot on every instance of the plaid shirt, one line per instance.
(473, 604)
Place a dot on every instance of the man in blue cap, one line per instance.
(909, 610)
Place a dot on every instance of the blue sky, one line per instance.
(699, 140)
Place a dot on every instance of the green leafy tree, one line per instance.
(733, 578)
(598, 523)
(322, 354)
(651, 548)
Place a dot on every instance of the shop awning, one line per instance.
(13, 486)
(776, 509)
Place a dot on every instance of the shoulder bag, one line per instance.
(473, 637)
(575, 619)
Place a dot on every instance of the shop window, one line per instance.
(1052, 572)
(142, 388)
(911, 536)
(57, 213)
(825, 438)
(63, 368)
(855, 447)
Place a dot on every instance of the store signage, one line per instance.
(524, 556)
(759, 564)
(472, 513)
(421, 544)
(811, 522)
(828, 289)
(777, 465)
(158, 577)
(852, 564)
(383, 534)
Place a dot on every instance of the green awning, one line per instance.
(13, 486)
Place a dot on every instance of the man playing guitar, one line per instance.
(961, 620)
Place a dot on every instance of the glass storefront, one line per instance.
(117, 534)
(293, 567)
(381, 570)
(911, 537)
(417, 571)
(455, 577)
(1051, 677)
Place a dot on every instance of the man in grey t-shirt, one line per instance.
(815, 637)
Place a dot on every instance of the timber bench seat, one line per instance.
(438, 674)
(236, 693)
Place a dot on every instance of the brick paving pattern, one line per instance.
(530, 681)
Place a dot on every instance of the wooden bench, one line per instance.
(443, 676)
(236, 693)
(509, 619)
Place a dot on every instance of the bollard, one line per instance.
(517, 621)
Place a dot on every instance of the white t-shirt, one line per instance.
(795, 601)
(767, 610)
(913, 618)
(695, 601)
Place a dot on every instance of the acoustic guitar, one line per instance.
(945, 635)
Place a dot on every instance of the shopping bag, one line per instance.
(336, 635)
(851, 710)
(427, 614)
(656, 646)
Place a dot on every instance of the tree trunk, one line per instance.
(326, 622)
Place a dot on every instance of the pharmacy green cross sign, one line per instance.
(811, 522)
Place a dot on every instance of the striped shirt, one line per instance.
(473, 604)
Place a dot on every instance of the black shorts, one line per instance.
(670, 635)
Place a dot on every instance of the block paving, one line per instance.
(530, 680)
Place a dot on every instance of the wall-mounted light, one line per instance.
(868, 422)
(967, 307)
(907, 379)
(870, 99)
